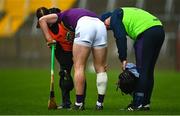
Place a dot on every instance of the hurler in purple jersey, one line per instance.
(90, 36)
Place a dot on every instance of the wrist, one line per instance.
(49, 39)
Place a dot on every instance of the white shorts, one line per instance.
(90, 32)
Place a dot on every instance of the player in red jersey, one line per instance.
(63, 53)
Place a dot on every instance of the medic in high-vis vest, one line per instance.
(147, 32)
(63, 53)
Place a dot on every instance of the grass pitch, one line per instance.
(26, 92)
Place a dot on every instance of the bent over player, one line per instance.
(90, 35)
(147, 32)
(63, 54)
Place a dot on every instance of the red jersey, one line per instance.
(62, 37)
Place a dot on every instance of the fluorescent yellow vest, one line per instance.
(137, 21)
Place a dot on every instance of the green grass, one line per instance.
(26, 91)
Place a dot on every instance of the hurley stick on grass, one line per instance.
(51, 101)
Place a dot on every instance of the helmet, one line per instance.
(127, 82)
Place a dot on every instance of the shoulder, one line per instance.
(118, 11)
(117, 15)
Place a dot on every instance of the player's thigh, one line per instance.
(64, 58)
(100, 47)
(80, 56)
(99, 58)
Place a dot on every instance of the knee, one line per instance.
(66, 81)
(103, 69)
(62, 73)
(79, 71)
(100, 68)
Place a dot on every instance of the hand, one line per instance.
(50, 42)
(124, 64)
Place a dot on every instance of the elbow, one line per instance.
(42, 20)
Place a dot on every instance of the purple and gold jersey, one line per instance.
(70, 17)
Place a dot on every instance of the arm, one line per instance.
(120, 34)
(44, 21)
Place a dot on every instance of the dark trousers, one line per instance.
(65, 61)
(64, 58)
(147, 49)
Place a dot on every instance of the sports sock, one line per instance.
(79, 98)
(100, 98)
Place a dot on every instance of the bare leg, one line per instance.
(99, 58)
(80, 56)
(99, 55)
